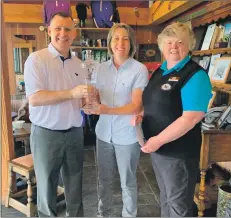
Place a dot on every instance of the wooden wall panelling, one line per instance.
(33, 13)
(29, 29)
(7, 148)
(221, 11)
(29, 13)
(21, 29)
(10, 59)
(166, 10)
(23, 13)
(146, 34)
(200, 14)
(128, 16)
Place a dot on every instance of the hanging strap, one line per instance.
(101, 5)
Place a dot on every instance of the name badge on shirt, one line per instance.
(173, 79)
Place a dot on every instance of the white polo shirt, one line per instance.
(44, 70)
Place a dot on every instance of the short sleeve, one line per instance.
(34, 76)
(141, 80)
(197, 92)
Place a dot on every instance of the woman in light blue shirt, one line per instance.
(120, 82)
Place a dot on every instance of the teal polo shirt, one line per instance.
(197, 92)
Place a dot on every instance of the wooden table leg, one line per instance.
(26, 143)
(201, 206)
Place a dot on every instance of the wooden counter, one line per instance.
(216, 147)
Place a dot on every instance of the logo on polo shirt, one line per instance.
(166, 87)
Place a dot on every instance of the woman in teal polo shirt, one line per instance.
(175, 101)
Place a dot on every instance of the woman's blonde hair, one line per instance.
(131, 36)
(176, 30)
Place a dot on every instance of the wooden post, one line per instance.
(6, 122)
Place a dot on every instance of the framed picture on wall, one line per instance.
(149, 53)
(221, 71)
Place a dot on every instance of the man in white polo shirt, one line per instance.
(53, 79)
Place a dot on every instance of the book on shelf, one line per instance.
(149, 53)
(108, 56)
(219, 37)
(204, 62)
(214, 37)
(199, 35)
(227, 32)
(97, 56)
(229, 42)
(208, 37)
(212, 63)
(103, 56)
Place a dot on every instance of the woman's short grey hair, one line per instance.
(176, 30)
(131, 36)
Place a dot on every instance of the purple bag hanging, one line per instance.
(53, 6)
(102, 13)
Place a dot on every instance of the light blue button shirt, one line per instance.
(196, 93)
(115, 88)
(44, 70)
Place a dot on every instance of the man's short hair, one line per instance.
(61, 14)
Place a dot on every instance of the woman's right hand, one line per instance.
(136, 119)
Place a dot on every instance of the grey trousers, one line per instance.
(176, 179)
(126, 157)
(53, 151)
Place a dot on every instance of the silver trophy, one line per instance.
(90, 79)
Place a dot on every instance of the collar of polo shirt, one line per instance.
(55, 53)
(112, 63)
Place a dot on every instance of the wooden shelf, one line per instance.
(94, 29)
(222, 87)
(213, 51)
(82, 47)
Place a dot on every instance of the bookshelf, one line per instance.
(91, 38)
(92, 33)
(212, 52)
(226, 88)
(93, 29)
(75, 48)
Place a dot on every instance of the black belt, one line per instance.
(65, 130)
(59, 130)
